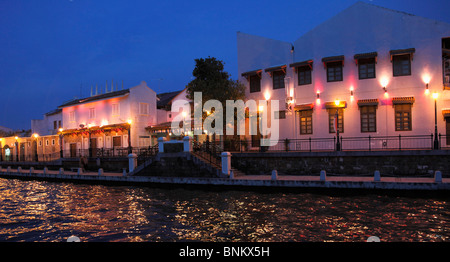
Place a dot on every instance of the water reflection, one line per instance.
(45, 211)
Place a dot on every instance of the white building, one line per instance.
(50, 125)
(106, 119)
(377, 67)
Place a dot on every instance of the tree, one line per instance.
(214, 83)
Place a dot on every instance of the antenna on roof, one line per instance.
(96, 89)
(106, 87)
(122, 84)
(112, 85)
(91, 90)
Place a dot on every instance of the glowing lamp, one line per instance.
(16, 137)
(267, 95)
(261, 108)
(60, 129)
(337, 102)
(35, 135)
(435, 96)
(129, 121)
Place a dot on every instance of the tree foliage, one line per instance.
(214, 82)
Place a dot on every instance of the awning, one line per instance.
(406, 51)
(303, 63)
(403, 100)
(330, 105)
(368, 102)
(252, 73)
(270, 70)
(304, 107)
(446, 113)
(329, 59)
(365, 55)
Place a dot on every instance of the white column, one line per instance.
(376, 176)
(274, 175)
(161, 141)
(226, 162)
(187, 145)
(132, 162)
(323, 175)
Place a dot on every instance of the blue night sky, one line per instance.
(53, 50)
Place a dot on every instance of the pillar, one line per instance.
(187, 145)
(226, 162)
(376, 176)
(274, 175)
(323, 175)
(132, 162)
(438, 177)
(161, 141)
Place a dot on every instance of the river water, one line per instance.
(49, 211)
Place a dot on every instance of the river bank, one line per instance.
(252, 181)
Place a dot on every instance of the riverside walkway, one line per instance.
(279, 181)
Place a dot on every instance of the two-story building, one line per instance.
(368, 71)
(109, 122)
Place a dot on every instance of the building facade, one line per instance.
(367, 72)
(108, 123)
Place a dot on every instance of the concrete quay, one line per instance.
(255, 181)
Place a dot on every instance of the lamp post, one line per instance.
(35, 135)
(1, 150)
(16, 144)
(61, 142)
(130, 150)
(336, 125)
(436, 141)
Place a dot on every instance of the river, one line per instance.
(51, 212)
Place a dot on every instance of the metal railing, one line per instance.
(209, 151)
(367, 143)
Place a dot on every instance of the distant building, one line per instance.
(49, 125)
(375, 68)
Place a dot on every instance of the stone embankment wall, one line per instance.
(389, 163)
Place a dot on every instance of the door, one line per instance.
(94, 146)
(447, 129)
(73, 150)
(22, 151)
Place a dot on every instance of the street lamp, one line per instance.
(35, 135)
(436, 141)
(129, 136)
(17, 148)
(60, 142)
(336, 124)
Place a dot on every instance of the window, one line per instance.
(143, 108)
(117, 141)
(403, 117)
(366, 68)
(46, 142)
(255, 83)
(278, 79)
(280, 115)
(72, 116)
(401, 65)
(91, 113)
(331, 117)
(305, 122)
(53, 142)
(334, 71)
(304, 75)
(368, 118)
(115, 109)
(59, 123)
(55, 125)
